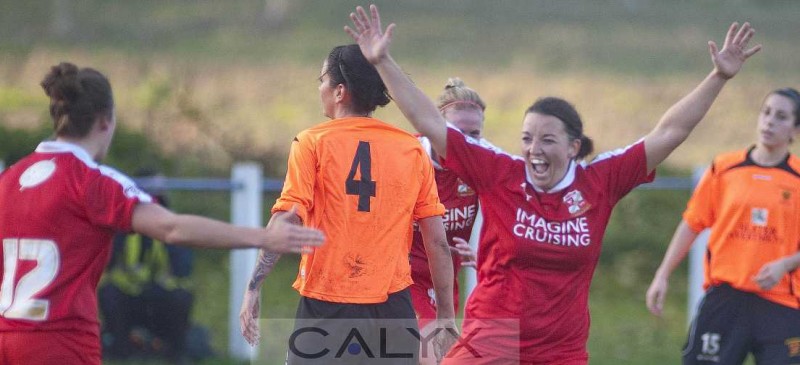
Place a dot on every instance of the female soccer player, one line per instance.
(544, 212)
(464, 109)
(59, 210)
(363, 182)
(750, 199)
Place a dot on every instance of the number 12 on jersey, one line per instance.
(17, 297)
(365, 187)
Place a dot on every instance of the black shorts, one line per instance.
(732, 323)
(341, 333)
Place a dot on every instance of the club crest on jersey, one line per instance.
(786, 195)
(577, 205)
(36, 174)
(464, 189)
(759, 216)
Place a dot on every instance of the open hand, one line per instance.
(729, 60)
(369, 35)
(286, 236)
(463, 249)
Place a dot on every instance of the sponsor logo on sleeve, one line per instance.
(37, 174)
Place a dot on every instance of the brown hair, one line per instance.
(77, 98)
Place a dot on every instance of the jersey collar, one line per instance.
(426, 145)
(66, 147)
(565, 182)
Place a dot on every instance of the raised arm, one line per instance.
(676, 124)
(417, 108)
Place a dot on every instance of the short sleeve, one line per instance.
(699, 213)
(623, 169)
(477, 162)
(301, 174)
(428, 204)
(111, 198)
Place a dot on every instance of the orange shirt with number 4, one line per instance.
(363, 182)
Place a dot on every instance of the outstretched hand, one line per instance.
(286, 236)
(729, 60)
(369, 35)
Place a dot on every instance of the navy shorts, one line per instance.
(342, 333)
(732, 323)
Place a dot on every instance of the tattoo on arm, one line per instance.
(266, 261)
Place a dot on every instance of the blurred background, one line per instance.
(200, 84)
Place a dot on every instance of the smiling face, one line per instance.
(469, 121)
(776, 122)
(547, 149)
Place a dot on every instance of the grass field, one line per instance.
(210, 83)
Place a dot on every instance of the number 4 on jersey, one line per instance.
(365, 187)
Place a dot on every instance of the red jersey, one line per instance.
(461, 204)
(58, 212)
(538, 249)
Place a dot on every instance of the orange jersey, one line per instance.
(363, 182)
(754, 216)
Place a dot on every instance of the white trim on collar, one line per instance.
(66, 147)
(428, 147)
(565, 182)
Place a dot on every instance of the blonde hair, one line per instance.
(458, 96)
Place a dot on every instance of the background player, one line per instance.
(464, 108)
(750, 199)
